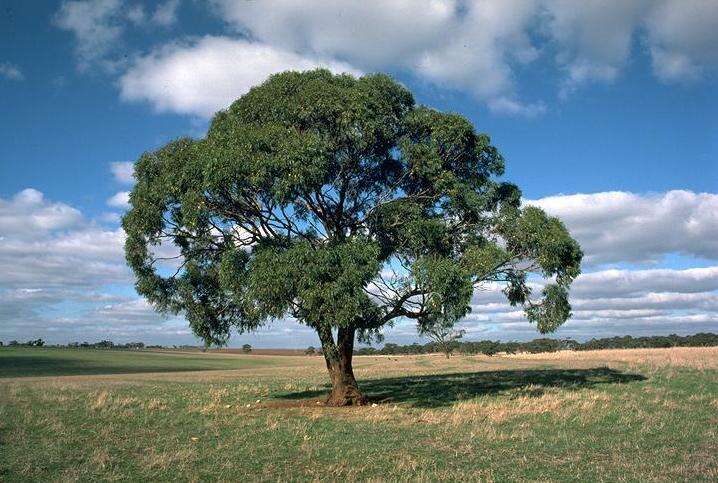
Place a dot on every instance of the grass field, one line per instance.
(66, 362)
(607, 415)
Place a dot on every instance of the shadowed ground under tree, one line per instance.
(438, 390)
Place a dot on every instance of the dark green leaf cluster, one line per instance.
(340, 202)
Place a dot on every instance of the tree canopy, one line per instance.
(340, 202)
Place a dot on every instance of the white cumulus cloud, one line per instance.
(58, 272)
(475, 46)
(612, 302)
(63, 277)
(626, 283)
(207, 74)
(682, 36)
(618, 226)
(120, 199)
(28, 213)
(594, 38)
(123, 172)
(469, 46)
(50, 245)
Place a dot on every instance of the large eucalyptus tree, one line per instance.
(341, 203)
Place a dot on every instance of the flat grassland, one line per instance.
(606, 415)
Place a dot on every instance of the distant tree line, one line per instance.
(108, 344)
(30, 343)
(103, 344)
(489, 347)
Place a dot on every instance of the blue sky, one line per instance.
(606, 113)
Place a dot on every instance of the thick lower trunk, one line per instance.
(345, 390)
(338, 356)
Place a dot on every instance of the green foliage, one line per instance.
(340, 202)
(555, 308)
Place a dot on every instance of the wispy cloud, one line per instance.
(11, 71)
(166, 13)
(98, 27)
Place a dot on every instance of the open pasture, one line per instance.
(26, 361)
(605, 415)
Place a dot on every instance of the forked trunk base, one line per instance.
(338, 356)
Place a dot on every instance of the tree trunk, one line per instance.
(338, 356)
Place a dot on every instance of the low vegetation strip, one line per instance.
(490, 347)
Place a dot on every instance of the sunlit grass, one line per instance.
(611, 415)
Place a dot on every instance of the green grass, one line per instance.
(26, 361)
(589, 417)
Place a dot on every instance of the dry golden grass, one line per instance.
(692, 357)
(560, 404)
(368, 367)
(483, 412)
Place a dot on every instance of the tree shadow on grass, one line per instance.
(430, 391)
